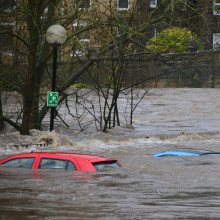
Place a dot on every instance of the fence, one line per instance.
(200, 69)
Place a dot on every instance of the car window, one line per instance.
(99, 166)
(71, 166)
(50, 163)
(26, 162)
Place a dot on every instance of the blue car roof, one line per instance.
(185, 152)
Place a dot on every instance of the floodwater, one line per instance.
(145, 187)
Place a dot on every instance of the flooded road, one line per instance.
(145, 187)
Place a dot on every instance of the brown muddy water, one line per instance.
(145, 187)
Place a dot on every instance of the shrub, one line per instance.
(170, 40)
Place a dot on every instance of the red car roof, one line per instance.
(91, 158)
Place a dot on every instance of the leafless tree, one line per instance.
(115, 36)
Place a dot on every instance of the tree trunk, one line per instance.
(33, 22)
(1, 114)
(35, 121)
(28, 94)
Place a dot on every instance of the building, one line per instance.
(92, 23)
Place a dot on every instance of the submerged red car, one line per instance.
(55, 160)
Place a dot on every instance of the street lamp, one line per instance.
(55, 35)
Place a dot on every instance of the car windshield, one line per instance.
(99, 166)
(26, 162)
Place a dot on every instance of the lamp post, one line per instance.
(55, 35)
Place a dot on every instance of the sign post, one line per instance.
(55, 35)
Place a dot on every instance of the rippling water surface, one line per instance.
(145, 187)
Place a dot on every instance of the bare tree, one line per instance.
(115, 36)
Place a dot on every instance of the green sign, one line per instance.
(52, 99)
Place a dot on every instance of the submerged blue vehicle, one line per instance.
(185, 152)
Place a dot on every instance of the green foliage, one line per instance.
(82, 86)
(170, 40)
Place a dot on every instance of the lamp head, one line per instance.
(56, 34)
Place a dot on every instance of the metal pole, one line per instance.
(53, 84)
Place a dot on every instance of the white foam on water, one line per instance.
(167, 117)
(56, 141)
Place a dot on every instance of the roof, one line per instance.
(185, 152)
(74, 155)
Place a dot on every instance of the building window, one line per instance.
(121, 30)
(216, 41)
(82, 39)
(44, 16)
(83, 4)
(184, 8)
(153, 3)
(216, 7)
(151, 33)
(155, 32)
(7, 5)
(6, 43)
(82, 48)
(123, 4)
